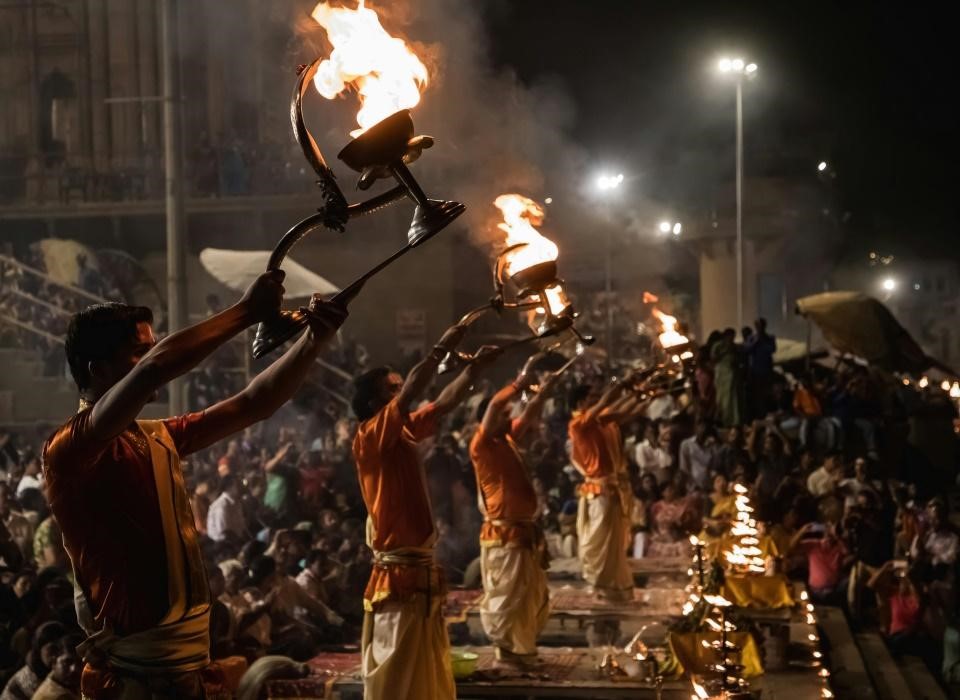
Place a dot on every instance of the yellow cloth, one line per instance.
(406, 651)
(603, 533)
(758, 591)
(725, 506)
(692, 657)
(516, 602)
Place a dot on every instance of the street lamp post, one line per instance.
(741, 70)
(607, 183)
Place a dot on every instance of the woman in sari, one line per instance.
(727, 380)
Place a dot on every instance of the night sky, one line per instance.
(861, 85)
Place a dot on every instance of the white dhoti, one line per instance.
(516, 602)
(406, 652)
(603, 531)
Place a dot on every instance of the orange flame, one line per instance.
(520, 216)
(670, 337)
(386, 74)
(650, 298)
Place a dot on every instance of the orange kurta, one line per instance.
(506, 492)
(394, 489)
(104, 496)
(596, 450)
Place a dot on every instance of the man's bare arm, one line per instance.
(498, 406)
(177, 354)
(608, 398)
(531, 413)
(420, 376)
(273, 387)
(456, 391)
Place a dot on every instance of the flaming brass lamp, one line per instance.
(538, 291)
(383, 151)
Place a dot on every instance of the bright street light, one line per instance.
(609, 182)
(736, 65)
(889, 284)
(673, 227)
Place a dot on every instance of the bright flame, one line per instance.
(386, 74)
(650, 298)
(955, 391)
(670, 337)
(520, 217)
(700, 691)
(945, 385)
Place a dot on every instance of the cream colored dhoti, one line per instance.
(406, 651)
(603, 531)
(516, 602)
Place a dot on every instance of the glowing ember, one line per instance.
(670, 337)
(520, 217)
(383, 70)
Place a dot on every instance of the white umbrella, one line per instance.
(238, 269)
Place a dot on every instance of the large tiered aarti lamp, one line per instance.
(744, 553)
(387, 76)
(729, 683)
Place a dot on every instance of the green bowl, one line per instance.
(464, 663)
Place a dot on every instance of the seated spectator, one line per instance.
(824, 481)
(48, 550)
(731, 451)
(938, 545)
(653, 456)
(668, 524)
(41, 657)
(32, 477)
(225, 519)
(850, 487)
(697, 455)
(63, 681)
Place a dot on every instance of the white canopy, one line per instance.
(237, 269)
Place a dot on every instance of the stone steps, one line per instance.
(884, 671)
(849, 676)
(923, 686)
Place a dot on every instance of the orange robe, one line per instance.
(406, 651)
(129, 531)
(516, 601)
(606, 501)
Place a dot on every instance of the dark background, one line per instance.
(867, 87)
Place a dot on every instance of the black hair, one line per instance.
(578, 394)
(261, 568)
(97, 333)
(366, 391)
(227, 481)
